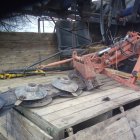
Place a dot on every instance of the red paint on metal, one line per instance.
(89, 65)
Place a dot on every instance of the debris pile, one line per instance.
(39, 95)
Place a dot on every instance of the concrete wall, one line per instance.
(18, 50)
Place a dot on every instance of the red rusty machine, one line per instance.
(91, 64)
(107, 61)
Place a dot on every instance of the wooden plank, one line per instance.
(40, 79)
(73, 101)
(108, 129)
(3, 124)
(134, 114)
(49, 75)
(4, 37)
(93, 97)
(12, 83)
(111, 131)
(85, 104)
(81, 116)
(133, 117)
(15, 126)
(2, 137)
(43, 124)
(58, 101)
(119, 73)
(112, 128)
(61, 100)
(104, 87)
(136, 132)
(16, 49)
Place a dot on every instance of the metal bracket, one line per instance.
(69, 131)
(122, 111)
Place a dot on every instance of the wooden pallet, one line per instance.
(64, 113)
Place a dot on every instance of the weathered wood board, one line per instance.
(16, 127)
(125, 126)
(113, 131)
(2, 137)
(64, 113)
(19, 50)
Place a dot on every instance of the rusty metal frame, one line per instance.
(89, 65)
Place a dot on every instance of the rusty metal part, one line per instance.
(30, 92)
(119, 73)
(74, 75)
(51, 90)
(55, 63)
(91, 64)
(37, 103)
(65, 84)
(83, 84)
(54, 92)
(70, 95)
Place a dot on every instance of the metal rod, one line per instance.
(38, 25)
(56, 63)
(43, 26)
(49, 57)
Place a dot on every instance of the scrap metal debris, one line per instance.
(30, 92)
(83, 83)
(38, 95)
(37, 103)
(65, 84)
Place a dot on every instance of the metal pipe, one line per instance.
(38, 25)
(102, 22)
(56, 63)
(43, 26)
